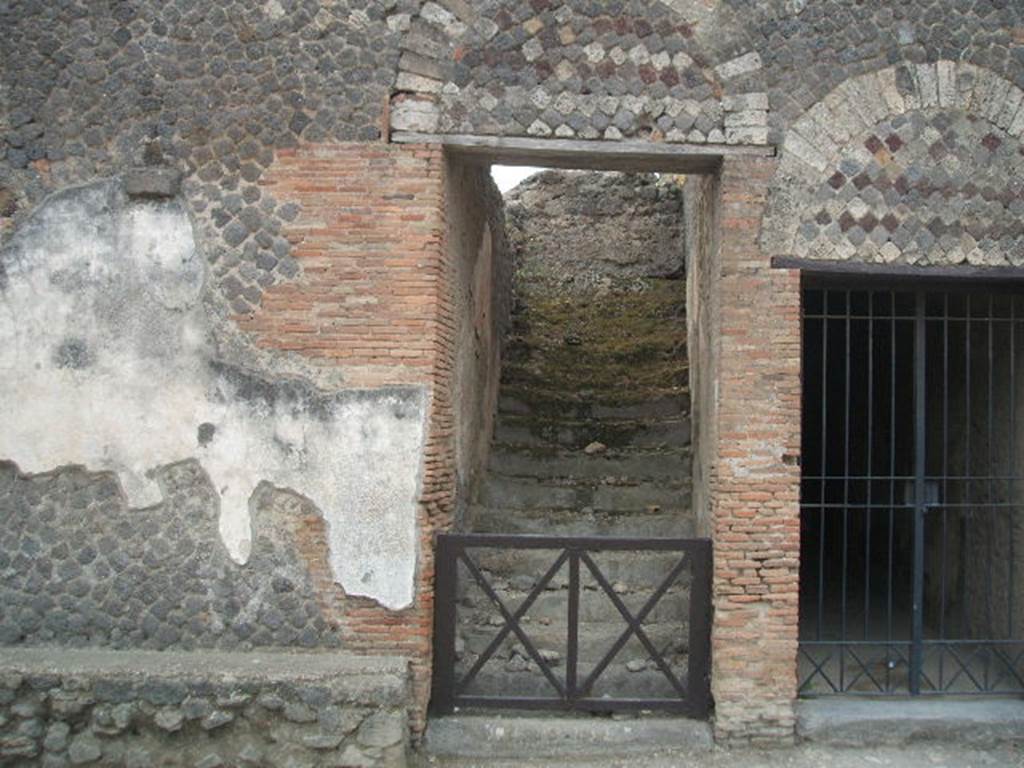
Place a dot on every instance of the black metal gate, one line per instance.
(912, 500)
(572, 567)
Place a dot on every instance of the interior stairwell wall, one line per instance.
(481, 303)
(701, 211)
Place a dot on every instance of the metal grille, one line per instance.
(912, 501)
(575, 564)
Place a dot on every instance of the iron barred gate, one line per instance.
(575, 575)
(912, 498)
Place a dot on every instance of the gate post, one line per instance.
(445, 585)
(752, 468)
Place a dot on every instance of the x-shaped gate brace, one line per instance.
(1009, 666)
(691, 698)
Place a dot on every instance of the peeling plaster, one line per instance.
(107, 360)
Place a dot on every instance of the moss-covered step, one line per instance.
(666, 465)
(674, 522)
(550, 432)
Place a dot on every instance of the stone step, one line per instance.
(528, 431)
(521, 677)
(521, 568)
(547, 738)
(595, 641)
(552, 463)
(476, 608)
(527, 404)
(529, 493)
(671, 522)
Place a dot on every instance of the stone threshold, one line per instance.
(965, 721)
(536, 736)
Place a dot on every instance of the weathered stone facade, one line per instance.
(83, 569)
(926, 174)
(214, 92)
(315, 306)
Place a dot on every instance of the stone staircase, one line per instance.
(592, 438)
(572, 469)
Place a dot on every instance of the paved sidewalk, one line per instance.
(923, 756)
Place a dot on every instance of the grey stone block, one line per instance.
(84, 749)
(382, 729)
(152, 182)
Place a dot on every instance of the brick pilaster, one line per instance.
(755, 476)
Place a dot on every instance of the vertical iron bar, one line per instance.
(920, 361)
(823, 512)
(445, 590)
(846, 499)
(892, 485)
(968, 485)
(945, 483)
(870, 457)
(992, 510)
(572, 652)
(1012, 459)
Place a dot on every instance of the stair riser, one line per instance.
(556, 434)
(616, 681)
(524, 493)
(670, 467)
(595, 640)
(553, 606)
(523, 568)
(669, 523)
(667, 408)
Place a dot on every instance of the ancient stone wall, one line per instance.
(117, 358)
(292, 309)
(140, 709)
(679, 70)
(214, 91)
(576, 231)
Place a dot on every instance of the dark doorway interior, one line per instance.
(912, 530)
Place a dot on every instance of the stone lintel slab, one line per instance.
(582, 154)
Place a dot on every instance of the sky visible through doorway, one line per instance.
(508, 176)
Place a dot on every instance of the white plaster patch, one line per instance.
(106, 361)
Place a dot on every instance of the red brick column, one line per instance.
(373, 302)
(755, 476)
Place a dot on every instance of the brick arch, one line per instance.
(552, 71)
(915, 163)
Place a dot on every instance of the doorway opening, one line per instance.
(573, 580)
(912, 495)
